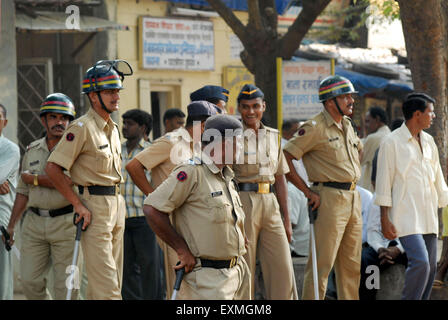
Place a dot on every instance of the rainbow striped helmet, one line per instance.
(106, 74)
(334, 86)
(58, 103)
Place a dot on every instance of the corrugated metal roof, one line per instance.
(47, 21)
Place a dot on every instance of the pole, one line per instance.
(313, 215)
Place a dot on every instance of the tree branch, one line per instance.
(229, 17)
(290, 42)
(254, 15)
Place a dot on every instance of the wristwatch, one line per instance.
(36, 181)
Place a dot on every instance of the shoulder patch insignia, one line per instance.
(301, 132)
(70, 137)
(182, 176)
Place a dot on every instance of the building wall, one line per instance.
(181, 83)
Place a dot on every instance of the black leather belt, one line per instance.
(219, 264)
(261, 187)
(101, 190)
(52, 213)
(338, 185)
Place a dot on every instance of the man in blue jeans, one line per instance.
(410, 187)
(142, 255)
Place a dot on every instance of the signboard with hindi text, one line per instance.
(234, 78)
(176, 44)
(300, 86)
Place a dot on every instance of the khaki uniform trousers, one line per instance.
(47, 244)
(102, 245)
(217, 284)
(338, 233)
(267, 241)
(170, 259)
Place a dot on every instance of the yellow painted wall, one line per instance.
(128, 13)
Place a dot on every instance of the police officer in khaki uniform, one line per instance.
(91, 151)
(161, 157)
(207, 229)
(48, 232)
(263, 190)
(214, 94)
(330, 150)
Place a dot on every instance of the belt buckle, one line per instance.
(353, 186)
(44, 213)
(233, 262)
(263, 187)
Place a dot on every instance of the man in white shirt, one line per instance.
(410, 187)
(377, 129)
(376, 250)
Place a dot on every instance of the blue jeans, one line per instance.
(142, 272)
(421, 251)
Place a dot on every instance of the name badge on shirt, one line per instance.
(34, 163)
(333, 139)
(216, 194)
(103, 146)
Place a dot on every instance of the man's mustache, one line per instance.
(58, 126)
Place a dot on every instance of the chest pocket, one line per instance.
(104, 160)
(220, 209)
(336, 150)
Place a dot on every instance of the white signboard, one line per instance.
(300, 87)
(177, 44)
(235, 47)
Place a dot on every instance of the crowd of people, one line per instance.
(216, 194)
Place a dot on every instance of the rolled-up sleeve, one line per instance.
(385, 174)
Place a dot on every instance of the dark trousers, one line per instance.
(370, 257)
(142, 272)
(421, 250)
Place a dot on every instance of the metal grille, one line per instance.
(34, 81)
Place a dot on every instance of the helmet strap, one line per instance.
(102, 103)
(337, 106)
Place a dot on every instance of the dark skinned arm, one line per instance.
(17, 210)
(161, 225)
(42, 179)
(281, 191)
(137, 172)
(295, 179)
(56, 175)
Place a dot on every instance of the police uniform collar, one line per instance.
(262, 126)
(180, 132)
(227, 172)
(100, 122)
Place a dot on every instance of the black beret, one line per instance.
(221, 122)
(249, 91)
(210, 92)
(201, 108)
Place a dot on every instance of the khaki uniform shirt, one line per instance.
(34, 160)
(206, 209)
(91, 151)
(329, 153)
(158, 156)
(264, 164)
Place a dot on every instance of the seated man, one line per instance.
(377, 250)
